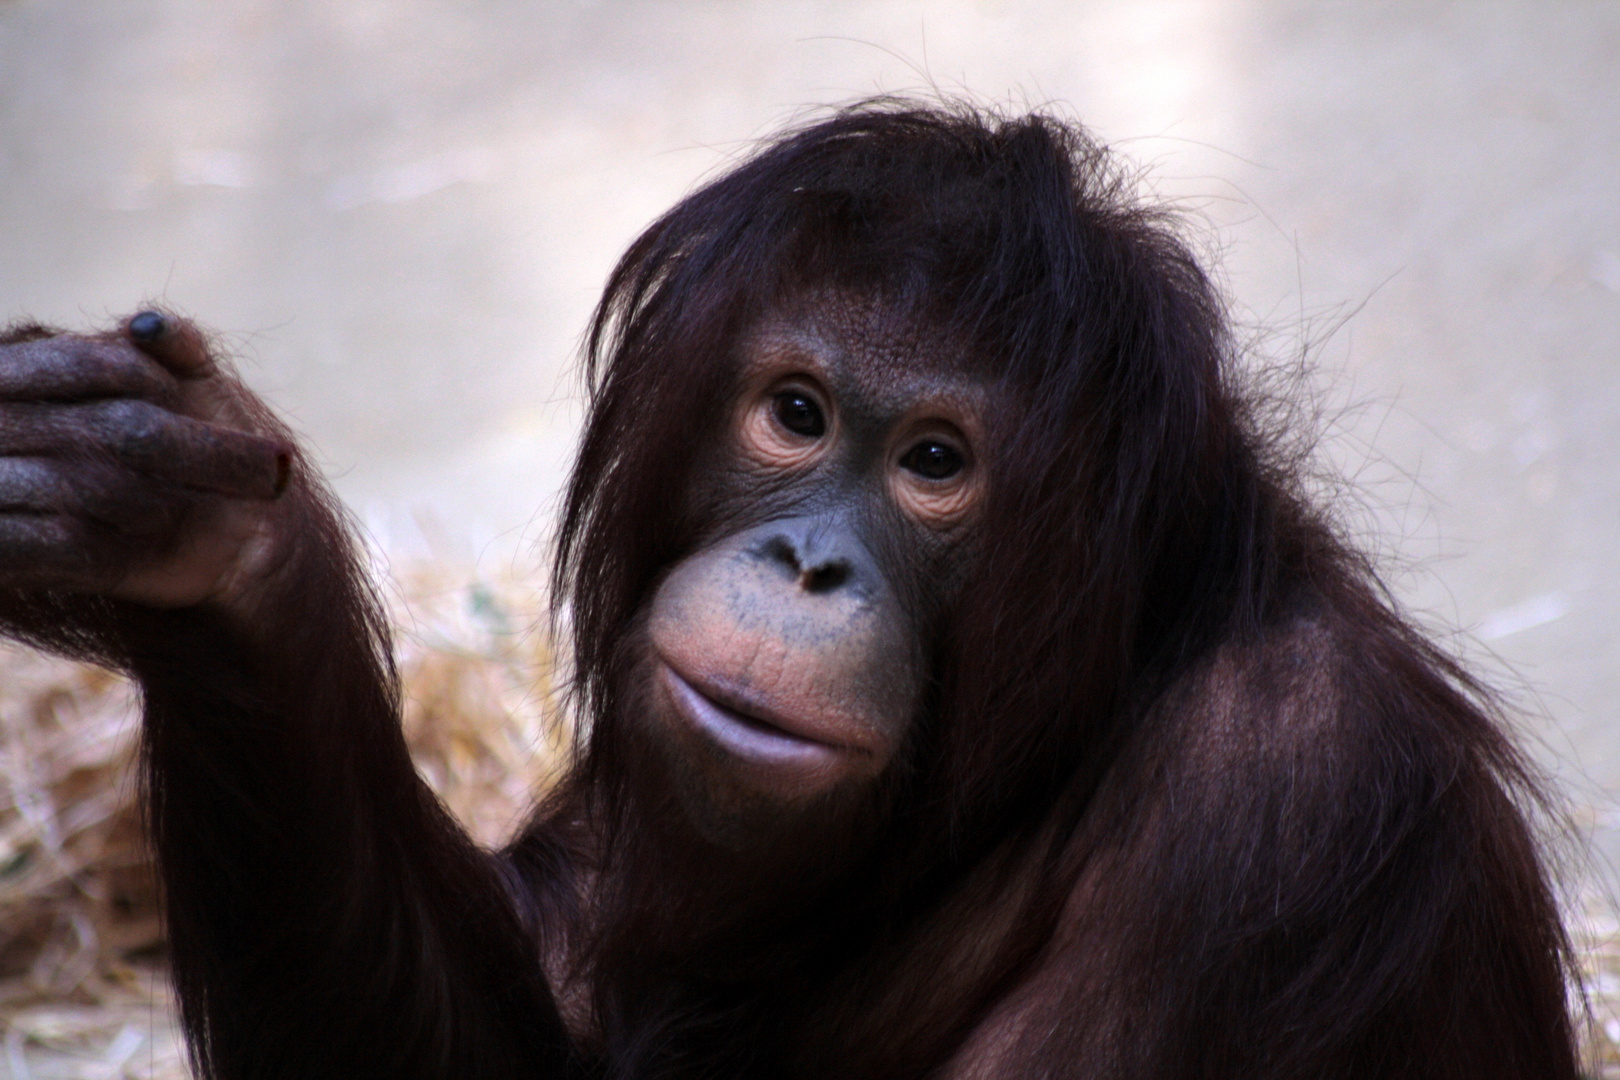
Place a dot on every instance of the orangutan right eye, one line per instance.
(798, 412)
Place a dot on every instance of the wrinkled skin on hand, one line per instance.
(134, 465)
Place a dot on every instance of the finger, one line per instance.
(45, 428)
(97, 493)
(74, 368)
(153, 441)
(208, 457)
(174, 342)
(43, 551)
(32, 486)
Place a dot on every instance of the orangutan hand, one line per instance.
(133, 466)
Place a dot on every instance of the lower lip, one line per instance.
(747, 739)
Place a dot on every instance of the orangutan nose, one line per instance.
(821, 556)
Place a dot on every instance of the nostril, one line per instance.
(824, 578)
(779, 549)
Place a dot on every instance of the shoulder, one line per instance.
(1316, 782)
(1315, 829)
(1323, 702)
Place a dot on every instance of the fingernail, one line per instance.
(146, 327)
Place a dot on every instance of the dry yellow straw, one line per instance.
(81, 983)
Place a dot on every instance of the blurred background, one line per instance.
(399, 214)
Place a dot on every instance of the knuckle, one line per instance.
(116, 358)
(42, 551)
(134, 425)
(120, 368)
(68, 353)
(27, 484)
(29, 354)
(135, 511)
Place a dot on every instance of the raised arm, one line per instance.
(326, 916)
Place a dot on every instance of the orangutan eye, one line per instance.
(799, 413)
(933, 460)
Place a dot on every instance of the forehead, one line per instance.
(862, 349)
